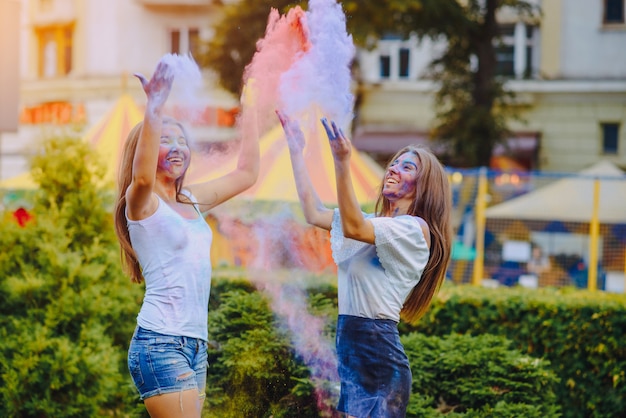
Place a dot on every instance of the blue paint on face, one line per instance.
(174, 152)
(401, 177)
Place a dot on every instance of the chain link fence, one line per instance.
(540, 229)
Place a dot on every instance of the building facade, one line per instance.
(568, 70)
(77, 57)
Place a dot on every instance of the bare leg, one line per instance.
(184, 404)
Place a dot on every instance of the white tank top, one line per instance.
(174, 254)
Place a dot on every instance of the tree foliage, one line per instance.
(66, 309)
(243, 23)
(253, 370)
(472, 104)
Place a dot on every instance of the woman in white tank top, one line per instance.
(166, 242)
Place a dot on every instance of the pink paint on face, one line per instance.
(174, 152)
(400, 178)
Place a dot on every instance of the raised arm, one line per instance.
(314, 210)
(140, 202)
(353, 222)
(213, 192)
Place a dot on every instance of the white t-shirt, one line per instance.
(174, 254)
(375, 280)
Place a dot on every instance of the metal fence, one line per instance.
(574, 222)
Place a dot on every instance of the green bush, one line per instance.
(457, 375)
(581, 333)
(66, 310)
(480, 376)
(253, 371)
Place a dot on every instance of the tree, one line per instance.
(472, 104)
(234, 43)
(66, 309)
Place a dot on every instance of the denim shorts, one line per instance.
(157, 361)
(373, 368)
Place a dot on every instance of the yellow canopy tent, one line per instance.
(252, 223)
(571, 199)
(107, 136)
(276, 181)
(20, 182)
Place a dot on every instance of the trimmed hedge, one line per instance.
(256, 372)
(581, 333)
(482, 376)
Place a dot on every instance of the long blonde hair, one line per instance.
(433, 203)
(130, 263)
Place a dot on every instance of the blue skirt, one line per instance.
(373, 368)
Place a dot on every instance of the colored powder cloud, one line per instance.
(185, 101)
(285, 40)
(321, 77)
(302, 66)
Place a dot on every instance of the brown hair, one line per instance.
(129, 258)
(433, 203)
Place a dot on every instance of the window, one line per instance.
(614, 11)
(394, 57)
(404, 62)
(610, 138)
(186, 40)
(505, 51)
(55, 50)
(514, 51)
(385, 66)
(175, 41)
(194, 42)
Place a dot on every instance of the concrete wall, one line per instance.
(589, 49)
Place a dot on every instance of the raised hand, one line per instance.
(340, 145)
(293, 132)
(158, 88)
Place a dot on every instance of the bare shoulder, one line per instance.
(140, 206)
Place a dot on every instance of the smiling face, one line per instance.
(174, 152)
(401, 177)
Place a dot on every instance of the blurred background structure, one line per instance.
(67, 64)
(567, 67)
(77, 57)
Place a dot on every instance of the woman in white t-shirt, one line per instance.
(390, 265)
(166, 242)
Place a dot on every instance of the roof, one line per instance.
(571, 199)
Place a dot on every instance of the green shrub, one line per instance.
(581, 333)
(456, 375)
(477, 377)
(67, 311)
(251, 363)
